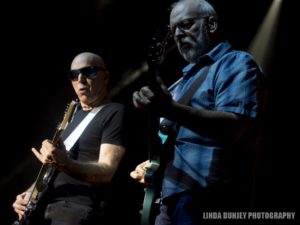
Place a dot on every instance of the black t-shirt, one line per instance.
(108, 126)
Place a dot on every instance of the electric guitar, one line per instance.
(40, 187)
(154, 174)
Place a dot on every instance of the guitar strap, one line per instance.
(167, 126)
(73, 137)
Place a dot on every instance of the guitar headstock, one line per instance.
(67, 115)
(159, 46)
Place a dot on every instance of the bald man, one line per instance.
(88, 167)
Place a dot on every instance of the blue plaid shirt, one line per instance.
(230, 86)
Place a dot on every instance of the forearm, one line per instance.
(201, 120)
(91, 172)
(98, 172)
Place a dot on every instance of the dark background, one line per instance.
(39, 39)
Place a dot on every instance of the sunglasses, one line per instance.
(89, 72)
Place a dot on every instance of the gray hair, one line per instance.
(204, 7)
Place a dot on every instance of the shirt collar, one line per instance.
(213, 55)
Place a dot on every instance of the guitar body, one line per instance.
(39, 199)
(150, 205)
(154, 177)
(152, 194)
(35, 215)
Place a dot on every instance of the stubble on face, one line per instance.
(200, 42)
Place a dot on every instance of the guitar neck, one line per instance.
(42, 181)
(56, 138)
(153, 138)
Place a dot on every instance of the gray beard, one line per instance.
(199, 50)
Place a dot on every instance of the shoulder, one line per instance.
(115, 107)
(226, 57)
(115, 111)
(240, 57)
(237, 62)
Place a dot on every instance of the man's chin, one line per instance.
(83, 98)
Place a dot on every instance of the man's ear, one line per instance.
(212, 24)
